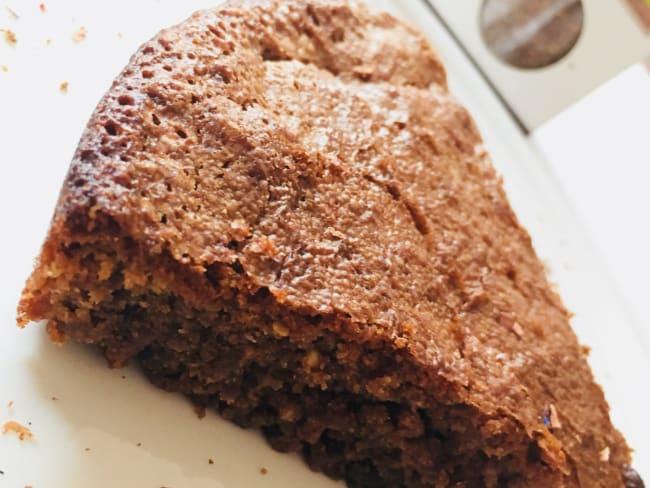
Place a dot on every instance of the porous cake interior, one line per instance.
(358, 411)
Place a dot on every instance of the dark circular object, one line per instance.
(531, 34)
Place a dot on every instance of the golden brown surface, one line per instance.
(279, 210)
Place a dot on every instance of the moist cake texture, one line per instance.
(279, 210)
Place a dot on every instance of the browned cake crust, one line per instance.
(279, 210)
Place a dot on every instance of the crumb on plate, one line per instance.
(263, 471)
(42, 7)
(80, 34)
(10, 37)
(11, 402)
(20, 430)
(210, 461)
(63, 87)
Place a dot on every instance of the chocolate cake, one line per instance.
(279, 210)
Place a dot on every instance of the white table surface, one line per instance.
(98, 410)
(599, 150)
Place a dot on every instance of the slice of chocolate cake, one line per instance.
(278, 210)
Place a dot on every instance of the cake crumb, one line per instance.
(4, 68)
(86, 449)
(513, 325)
(120, 35)
(139, 444)
(280, 329)
(54, 398)
(312, 360)
(263, 471)
(80, 34)
(199, 410)
(335, 233)
(267, 247)
(42, 7)
(20, 430)
(210, 461)
(10, 404)
(280, 295)
(48, 42)
(63, 87)
(10, 37)
(604, 455)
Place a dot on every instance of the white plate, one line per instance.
(106, 431)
